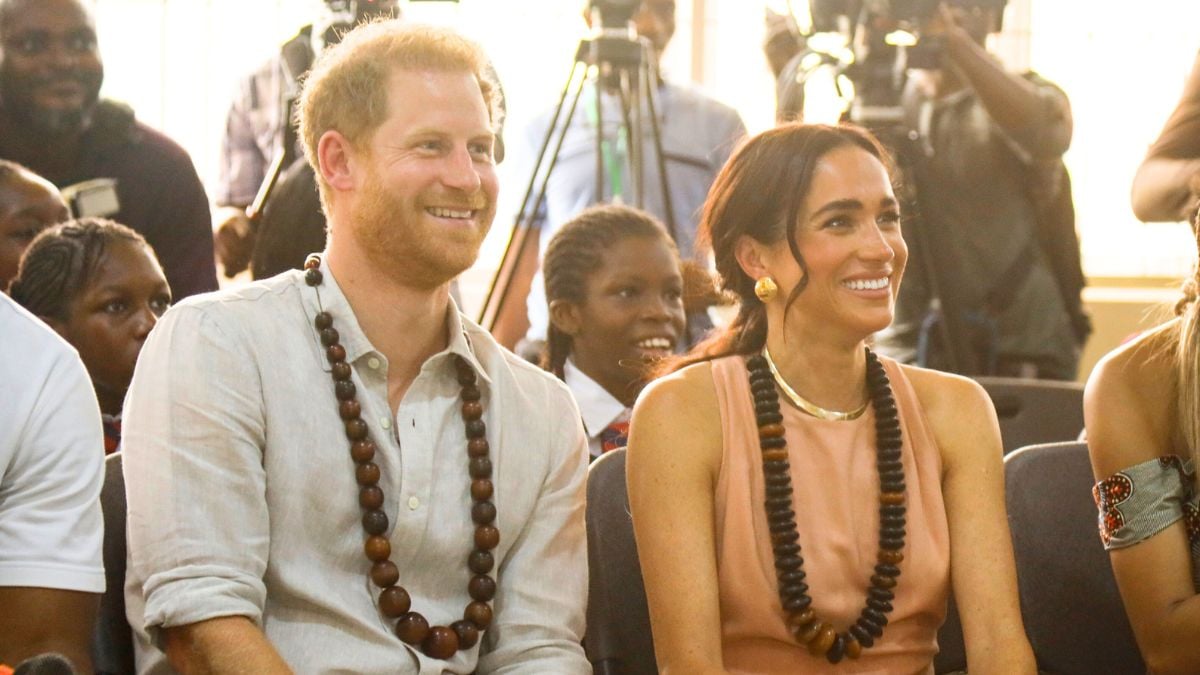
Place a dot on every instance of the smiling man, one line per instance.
(53, 121)
(335, 471)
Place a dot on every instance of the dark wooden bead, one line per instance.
(786, 549)
(344, 389)
(480, 562)
(470, 393)
(824, 640)
(375, 522)
(335, 353)
(482, 587)
(468, 633)
(312, 277)
(756, 362)
(837, 650)
(377, 548)
(367, 474)
(772, 443)
(789, 563)
(870, 626)
(394, 602)
(480, 614)
(476, 429)
(875, 616)
(779, 491)
(412, 628)
(477, 447)
(883, 582)
(782, 516)
(472, 410)
(797, 604)
(480, 467)
(889, 467)
(385, 573)
(362, 451)
(891, 521)
(341, 371)
(889, 448)
(777, 467)
(778, 503)
(440, 643)
(879, 605)
(764, 407)
(880, 593)
(778, 479)
(887, 570)
(329, 337)
(466, 376)
(370, 497)
(862, 636)
(487, 537)
(769, 418)
(356, 430)
(897, 510)
(761, 386)
(791, 577)
(784, 525)
(481, 490)
(483, 513)
(893, 485)
(349, 410)
(810, 633)
(323, 320)
(891, 543)
(853, 647)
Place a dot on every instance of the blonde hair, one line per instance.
(346, 90)
(1187, 360)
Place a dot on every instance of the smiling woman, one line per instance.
(896, 469)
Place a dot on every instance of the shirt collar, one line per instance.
(597, 407)
(330, 298)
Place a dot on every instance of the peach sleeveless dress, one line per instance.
(836, 499)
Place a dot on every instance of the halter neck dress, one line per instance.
(836, 500)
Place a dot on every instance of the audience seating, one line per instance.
(1035, 411)
(112, 640)
(1072, 611)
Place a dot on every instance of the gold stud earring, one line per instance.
(766, 288)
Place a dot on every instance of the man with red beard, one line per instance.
(53, 122)
(333, 469)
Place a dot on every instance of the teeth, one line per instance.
(866, 284)
(449, 213)
(655, 343)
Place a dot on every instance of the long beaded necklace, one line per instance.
(820, 636)
(439, 642)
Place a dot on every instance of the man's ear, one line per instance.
(337, 160)
(565, 316)
(751, 256)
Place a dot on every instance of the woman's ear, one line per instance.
(566, 317)
(751, 256)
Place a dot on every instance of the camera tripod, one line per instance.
(624, 67)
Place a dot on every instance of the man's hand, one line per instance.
(233, 239)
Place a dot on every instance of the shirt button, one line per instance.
(373, 363)
(385, 422)
(413, 503)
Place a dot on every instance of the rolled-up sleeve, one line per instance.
(194, 477)
(1049, 135)
(542, 594)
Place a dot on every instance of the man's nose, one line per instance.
(460, 171)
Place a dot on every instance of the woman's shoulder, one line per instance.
(940, 393)
(1143, 365)
(681, 389)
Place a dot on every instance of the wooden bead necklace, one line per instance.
(439, 642)
(820, 637)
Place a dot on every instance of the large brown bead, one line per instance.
(370, 497)
(335, 353)
(770, 431)
(882, 581)
(341, 371)
(469, 393)
(362, 451)
(775, 454)
(481, 562)
(329, 337)
(480, 614)
(480, 468)
(367, 474)
(853, 647)
(472, 410)
(801, 619)
(823, 641)
(483, 513)
(356, 430)
(349, 410)
(412, 628)
(375, 521)
(385, 573)
(477, 447)
(482, 587)
(394, 602)
(891, 557)
(344, 389)
(377, 548)
(810, 633)
(891, 498)
(487, 537)
(440, 643)
(481, 490)
(468, 633)
(323, 320)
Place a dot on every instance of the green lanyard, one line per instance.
(614, 155)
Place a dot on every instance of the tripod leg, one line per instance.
(648, 84)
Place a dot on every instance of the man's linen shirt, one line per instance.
(242, 497)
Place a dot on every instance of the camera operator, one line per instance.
(1167, 184)
(995, 228)
(698, 133)
(257, 122)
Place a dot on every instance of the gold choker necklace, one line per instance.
(808, 406)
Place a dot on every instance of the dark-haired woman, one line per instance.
(800, 504)
(99, 285)
(1142, 408)
(615, 291)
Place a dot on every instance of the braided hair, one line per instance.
(62, 260)
(576, 251)
(760, 193)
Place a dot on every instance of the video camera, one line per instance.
(614, 14)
